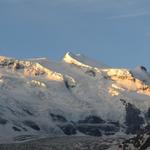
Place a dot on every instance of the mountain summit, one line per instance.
(75, 96)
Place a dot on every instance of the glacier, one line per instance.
(75, 96)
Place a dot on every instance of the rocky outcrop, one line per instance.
(139, 142)
(91, 72)
(68, 129)
(69, 82)
(29, 68)
(3, 121)
(148, 113)
(90, 125)
(58, 118)
(31, 125)
(133, 119)
(125, 80)
(143, 68)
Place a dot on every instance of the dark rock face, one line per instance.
(109, 129)
(68, 129)
(140, 142)
(90, 130)
(69, 82)
(58, 118)
(133, 119)
(32, 125)
(143, 68)
(18, 126)
(148, 113)
(3, 121)
(92, 119)
(91, 72)
(96, 126)
(115, 123)
(146, 144)
(28, 112)
(6, 62)
(91, 125)
(16, 129)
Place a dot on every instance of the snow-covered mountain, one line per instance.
(75, 96)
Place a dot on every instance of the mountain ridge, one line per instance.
(74, 96)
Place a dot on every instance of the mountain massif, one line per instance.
(76, 96)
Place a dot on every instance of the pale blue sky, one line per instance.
(116, 32)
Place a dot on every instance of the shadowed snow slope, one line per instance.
(76, 96)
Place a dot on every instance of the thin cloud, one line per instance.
(113, 9)
(131, 15)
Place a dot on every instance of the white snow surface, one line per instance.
(34, 96)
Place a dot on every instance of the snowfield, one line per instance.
(76, 96)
